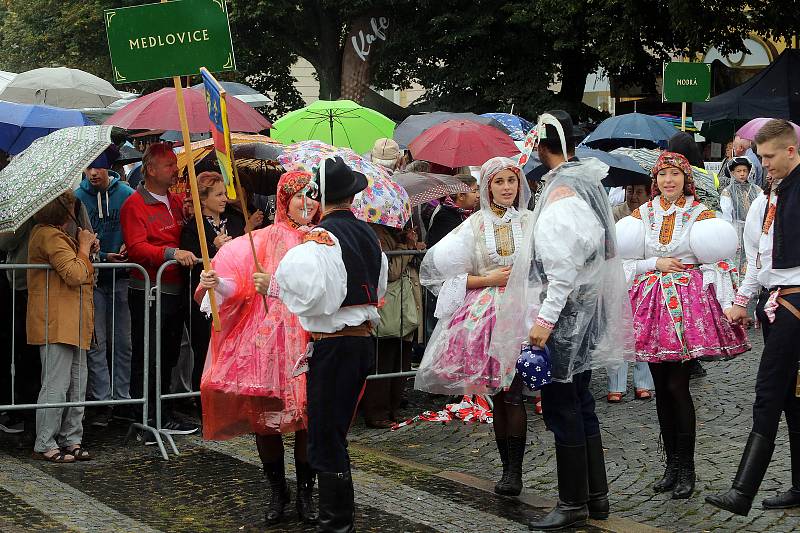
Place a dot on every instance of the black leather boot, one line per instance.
(752, 468)
(790, 498)
(516, 453)
(501, 487)
(667, 481)
(279, 492)
(598, 483)
(306, 510)
(684, 486)
(573, 491)
(336, 505)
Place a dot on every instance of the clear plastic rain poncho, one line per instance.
(457, 359)
(569, 255)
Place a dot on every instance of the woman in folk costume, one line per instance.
(676, 252)
(468, 270)
(250, 383)
(735, 200)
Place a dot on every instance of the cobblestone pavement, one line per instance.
(423, 478)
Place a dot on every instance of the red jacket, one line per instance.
(152, 234)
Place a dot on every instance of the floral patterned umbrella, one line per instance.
(382, 202)
(48, 167)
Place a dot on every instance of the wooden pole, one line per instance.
(683, 116)
(198, 212)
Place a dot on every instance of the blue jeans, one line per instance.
(618, 380)
(111, 313)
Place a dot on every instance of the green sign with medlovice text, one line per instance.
(169, 39)
(687, 82)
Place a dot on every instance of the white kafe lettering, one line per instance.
(362, 43)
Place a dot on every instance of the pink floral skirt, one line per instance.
(675, 319)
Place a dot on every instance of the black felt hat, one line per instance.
(340, 181)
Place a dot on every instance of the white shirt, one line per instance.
(566, 234)
(163, 198)
(758, 247)
(312, 282)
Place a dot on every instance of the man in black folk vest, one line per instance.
(333, 281)
(772, 243)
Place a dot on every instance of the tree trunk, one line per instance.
(366, 33)
(329, 80)
(573, 78)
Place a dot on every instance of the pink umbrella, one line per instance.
(749, 130)
(159, 111)
(458, 143)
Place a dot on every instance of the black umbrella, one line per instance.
(263, 151)
(622, 170)
(413, 126)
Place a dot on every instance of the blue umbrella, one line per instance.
(632, 130)
(21, 124)
(518, 127)
(622, 170)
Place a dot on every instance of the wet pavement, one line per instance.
(424, 477)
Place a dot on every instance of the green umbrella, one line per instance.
(341, 123)
(50, 166)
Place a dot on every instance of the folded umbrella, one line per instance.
(458, 143)
(422, 187)
(60, 87)
(382, 202)
(415, 125)
(48, 167)
(159, 111)
(622, 170)
(21, 124)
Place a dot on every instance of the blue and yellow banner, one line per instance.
(221, 133)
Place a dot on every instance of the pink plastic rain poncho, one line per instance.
(248, 384)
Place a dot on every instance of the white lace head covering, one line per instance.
(490, 169)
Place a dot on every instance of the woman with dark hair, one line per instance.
(675, 254)
(683, 143)
(64, 291)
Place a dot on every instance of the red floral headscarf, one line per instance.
(672, 159)
(290, 184)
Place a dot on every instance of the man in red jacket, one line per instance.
(152, 219)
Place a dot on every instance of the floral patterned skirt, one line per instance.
(675, 319)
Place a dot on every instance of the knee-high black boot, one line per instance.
(513, 477)
(306, 509)
(501, 487)
(790, 498)
(573, 491)
(336, 505)
(684, 486)
(279, 492)
(667, 481)
(596, 473)
(752, 468)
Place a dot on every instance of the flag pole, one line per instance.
(198, 213)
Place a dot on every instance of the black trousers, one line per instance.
(337, 371)
(172, 318)
(568, 410)
(28, 366)
(777, 374)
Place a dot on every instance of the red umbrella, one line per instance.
(159, 111)
(458, 143)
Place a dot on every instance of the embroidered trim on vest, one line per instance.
(667, 227)
(705, 215)
(769, 219)
(637, 214)
(319, 237)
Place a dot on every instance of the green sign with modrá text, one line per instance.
(687, 82)
(168, 39)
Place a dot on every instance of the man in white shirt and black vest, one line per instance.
(772, 243)
(334, 282)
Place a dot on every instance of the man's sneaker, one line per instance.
(100, 417)
(176, 427)
(10, 425)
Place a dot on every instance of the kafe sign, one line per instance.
(168, 39)
(687, 82)
(363, 42)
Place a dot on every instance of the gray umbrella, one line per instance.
(262, 151)
(413, 126)
(60, 87)
(242, 92)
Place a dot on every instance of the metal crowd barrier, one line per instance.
(143, 401)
